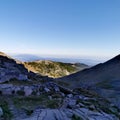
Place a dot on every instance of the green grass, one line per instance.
(53, 104)
(21, 92)
(105, 84)
(28, 111)
(52, 69)
(15, 81)
(7, 115)
(75, 117)
(29, 102)
(32, 102)
(62, 83)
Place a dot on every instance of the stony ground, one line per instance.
(69, 114)
(61, 104)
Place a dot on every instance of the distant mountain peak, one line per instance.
(3, 54)
(115, 59)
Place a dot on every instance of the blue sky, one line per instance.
(60, 27)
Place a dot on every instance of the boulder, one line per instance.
(22, 77)
(46, 89)
(71, 103)
(28, 91)
(56, 89)
(70, 95)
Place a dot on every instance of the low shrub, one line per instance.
(21, 92)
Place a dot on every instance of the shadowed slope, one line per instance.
(103, 78)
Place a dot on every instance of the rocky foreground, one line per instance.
(49, 101)
(25, 95)
(68, 114)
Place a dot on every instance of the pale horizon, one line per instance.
(60, 28)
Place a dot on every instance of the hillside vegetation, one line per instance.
(54, 69)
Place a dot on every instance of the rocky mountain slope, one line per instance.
(54, 69)
(103, 78)
(9, 68)
(28, 96)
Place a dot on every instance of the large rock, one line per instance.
(22, 77)
(28, 90)
(71, 103)
(56, 88)
(47, 89)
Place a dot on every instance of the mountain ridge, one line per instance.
(54, 69)
(10, 68)
(102, 78)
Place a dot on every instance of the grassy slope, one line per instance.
(53, 69)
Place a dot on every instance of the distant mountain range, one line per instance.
(12, 68)
(30, 57)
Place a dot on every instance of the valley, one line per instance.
(28, 92)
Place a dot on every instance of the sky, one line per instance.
(60, 27)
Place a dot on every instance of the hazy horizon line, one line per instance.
(96, 57)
